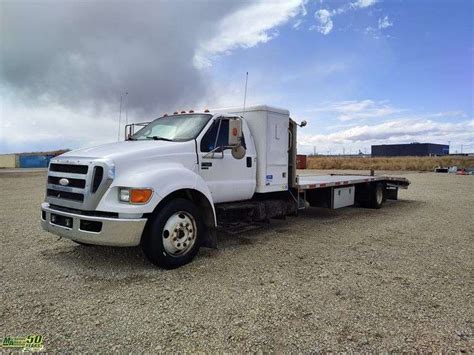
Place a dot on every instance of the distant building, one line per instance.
(28, 160)
(412, 149)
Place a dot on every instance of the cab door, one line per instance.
(229, 179)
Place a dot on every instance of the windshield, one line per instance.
(173, 128)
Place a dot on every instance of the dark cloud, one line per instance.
(88, 52)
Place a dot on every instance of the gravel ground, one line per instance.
(395, 279)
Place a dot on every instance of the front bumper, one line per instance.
(113, 232)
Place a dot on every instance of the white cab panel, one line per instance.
(229, 179)
(269, 128)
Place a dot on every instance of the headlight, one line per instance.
(135, 196)
(124, 195)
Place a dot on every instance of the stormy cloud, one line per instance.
(87, 52)
(65, 64)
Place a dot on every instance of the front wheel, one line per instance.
(174, 234)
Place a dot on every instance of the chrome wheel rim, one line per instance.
(179, 234)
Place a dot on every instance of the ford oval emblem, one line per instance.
(64, 182)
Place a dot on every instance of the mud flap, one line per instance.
(391, 192)
(210, 239)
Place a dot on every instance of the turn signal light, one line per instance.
(140, 195)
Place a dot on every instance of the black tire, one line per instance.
(377, 195)
(153, 244)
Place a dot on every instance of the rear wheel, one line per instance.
(173, 236)
(377, 195)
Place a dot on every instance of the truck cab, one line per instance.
(162, 183)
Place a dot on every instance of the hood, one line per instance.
(132, 150)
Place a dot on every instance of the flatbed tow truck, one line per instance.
(171, 184)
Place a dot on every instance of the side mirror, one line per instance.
(238, 152)
(235, 132)
(235, 138)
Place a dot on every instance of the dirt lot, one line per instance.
(395, 279)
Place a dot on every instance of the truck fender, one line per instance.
(167, 181)
(164, 180)
(185, 183)
(182, 179)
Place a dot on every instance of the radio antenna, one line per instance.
(120, 116)
(245, 92)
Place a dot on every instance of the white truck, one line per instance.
(168, 186)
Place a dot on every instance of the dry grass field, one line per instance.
(388, 163)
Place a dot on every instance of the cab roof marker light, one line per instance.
(183, 111)
(206, 110)
(191, 111)
(175, 112)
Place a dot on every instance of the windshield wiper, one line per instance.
(156, 138)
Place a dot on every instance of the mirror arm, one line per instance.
(211, 154)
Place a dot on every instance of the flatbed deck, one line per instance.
(308, 182)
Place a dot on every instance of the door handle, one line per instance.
(205, 165)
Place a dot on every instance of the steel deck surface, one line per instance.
(320, 181)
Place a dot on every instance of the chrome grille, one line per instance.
(65, 195)
(69, 168)
(78, 182)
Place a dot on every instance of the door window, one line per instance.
(208, 141)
